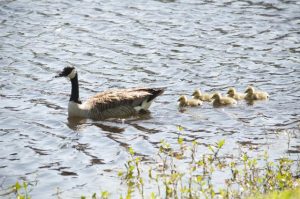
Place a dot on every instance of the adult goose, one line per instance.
(117, 103)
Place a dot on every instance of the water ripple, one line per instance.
(184, 45)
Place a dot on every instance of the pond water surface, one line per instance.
(178, 44)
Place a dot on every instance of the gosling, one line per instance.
(222, 101)
(235, 95)
(183, 101)
(255, 95)
(202, 96)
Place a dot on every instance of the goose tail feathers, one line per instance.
(154, 93)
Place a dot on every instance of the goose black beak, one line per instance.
(59, 75)
(56, 76)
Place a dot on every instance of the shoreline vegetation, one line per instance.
(182, 172)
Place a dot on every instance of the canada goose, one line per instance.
(183, 101)
(222, 101)
(202, 96)
(116, 103)
(255, 95)
(235, 95)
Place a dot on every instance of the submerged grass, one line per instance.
(182, 172)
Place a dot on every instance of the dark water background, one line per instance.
(184, 44)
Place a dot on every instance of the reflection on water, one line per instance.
(112, 129)
(76, 123)
(183, 45)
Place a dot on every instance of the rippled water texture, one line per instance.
(184, 44)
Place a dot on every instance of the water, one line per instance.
(183, 45)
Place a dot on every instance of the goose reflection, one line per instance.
(109, 128)
(76, 124)
(110, 125)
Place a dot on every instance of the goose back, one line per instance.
(121, 102)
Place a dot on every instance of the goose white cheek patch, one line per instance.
(72, 74)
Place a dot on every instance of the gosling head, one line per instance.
(216, 96)
(68, 71)
(182, 99)
(231, 91)
(197, 93)
(250, 90)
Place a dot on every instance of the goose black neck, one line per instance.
(75, 90)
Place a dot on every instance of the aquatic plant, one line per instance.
(183, 171)
(194, 179)
(21, 190)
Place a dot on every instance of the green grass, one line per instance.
(183, 171)
(246, 178)
(286, 194)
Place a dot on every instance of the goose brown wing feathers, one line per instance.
(120, 102)
(114, 98)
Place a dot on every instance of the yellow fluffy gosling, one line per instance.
(222, 101)
(183, 101)
(235, 95)
(202, 96)
(255, 95)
